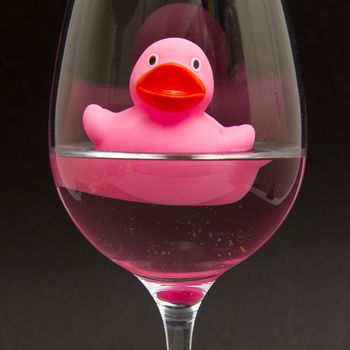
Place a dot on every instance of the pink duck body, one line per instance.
(171, 86)
(133, 130)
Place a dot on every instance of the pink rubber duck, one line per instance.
(171, 86)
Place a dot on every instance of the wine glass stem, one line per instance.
(178, 324)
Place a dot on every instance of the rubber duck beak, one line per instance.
(170, 87)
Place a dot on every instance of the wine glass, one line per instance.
(177, 138)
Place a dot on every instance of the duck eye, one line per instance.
(196, 64)
(153, 60)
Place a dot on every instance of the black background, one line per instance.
(57, 292)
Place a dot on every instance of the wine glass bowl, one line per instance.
(177, 138)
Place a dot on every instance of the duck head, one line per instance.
(172, 77)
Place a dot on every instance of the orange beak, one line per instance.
(170, 87)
